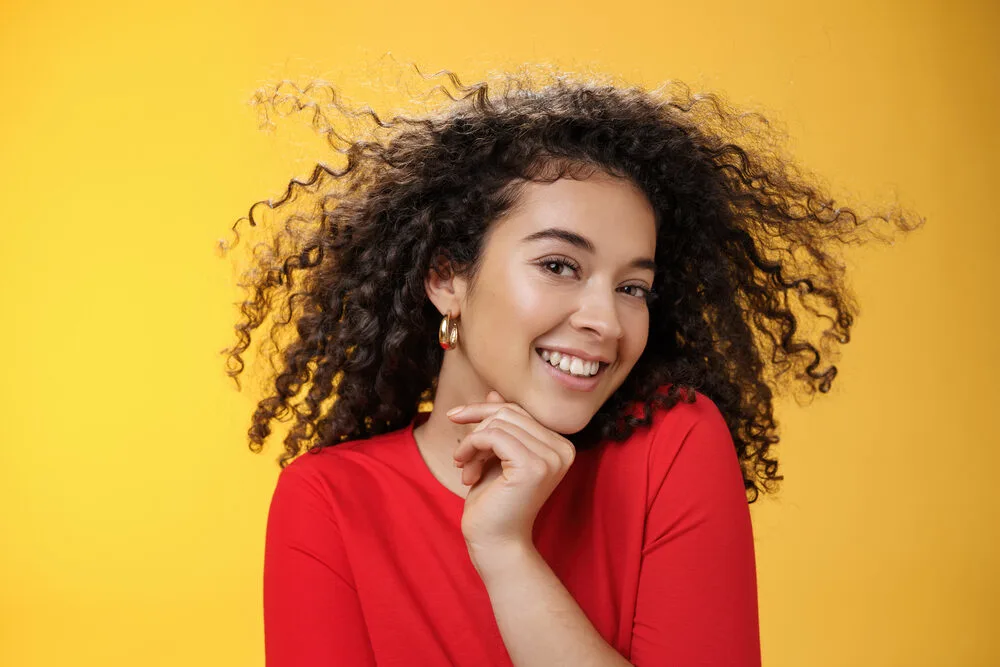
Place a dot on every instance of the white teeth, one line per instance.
(570, 364)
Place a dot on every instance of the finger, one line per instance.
(540, 448)
(483, 424)
(478, 461)
(555, 442)
(469, 458)
(477, 468)
(563, 447)
(471, 449)
(493, 397)
(474, 412)
(506, 447)
(472, 459)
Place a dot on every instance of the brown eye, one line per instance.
(641, 289)
(646, 294)
(556, 266)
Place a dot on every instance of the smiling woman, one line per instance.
(597, 288)
(567, 271)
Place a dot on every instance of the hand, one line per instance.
(528, 462)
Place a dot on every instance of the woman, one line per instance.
(597, 288)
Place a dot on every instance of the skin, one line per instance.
(523, 301)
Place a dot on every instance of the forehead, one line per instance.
(611, 212)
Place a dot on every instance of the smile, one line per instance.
(572, 372)
(570, 364)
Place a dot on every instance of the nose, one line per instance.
(598, 312)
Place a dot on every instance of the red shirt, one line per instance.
(365, 562)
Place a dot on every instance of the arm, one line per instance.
(540, 622)
(312, 615)
(697, 597)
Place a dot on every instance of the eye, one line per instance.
(555, 265)
(644, 293)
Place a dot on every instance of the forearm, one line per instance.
(540, 622)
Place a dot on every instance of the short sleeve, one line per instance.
(312, 615)
(697, 597)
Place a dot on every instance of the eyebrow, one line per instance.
(583, 243)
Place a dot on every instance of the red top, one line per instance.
(365, 562)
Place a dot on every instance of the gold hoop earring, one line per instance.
(448, 332)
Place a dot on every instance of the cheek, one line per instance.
(638, 335)
(525, 293)
(529, 306)
(511, 312)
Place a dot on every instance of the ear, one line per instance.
(445, 289)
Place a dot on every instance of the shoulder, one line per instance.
(690, 440)
(338, 466)
(702, 412)
(673, 423)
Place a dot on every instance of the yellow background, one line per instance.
(133, 512)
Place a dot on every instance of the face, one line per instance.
(562, 292)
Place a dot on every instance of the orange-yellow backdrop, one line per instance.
(133, 512)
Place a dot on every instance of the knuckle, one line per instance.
(539, 467)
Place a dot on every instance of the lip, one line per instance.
(574, 352)
(572, 382)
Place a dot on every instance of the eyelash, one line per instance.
(650, 294)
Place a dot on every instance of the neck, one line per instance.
(458, 384)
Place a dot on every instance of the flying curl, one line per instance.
(751, 284)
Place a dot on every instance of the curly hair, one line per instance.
(747, 250)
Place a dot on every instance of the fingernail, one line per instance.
(455, 410)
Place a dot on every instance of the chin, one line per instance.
(562, 424)
(565, 416)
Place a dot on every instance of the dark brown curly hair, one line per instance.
(747, 250)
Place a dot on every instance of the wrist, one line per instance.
(496, 560)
